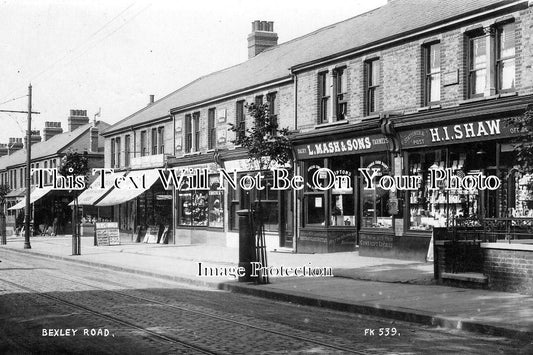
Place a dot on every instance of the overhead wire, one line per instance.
(85, 42)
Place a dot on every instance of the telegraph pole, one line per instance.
(27, 215)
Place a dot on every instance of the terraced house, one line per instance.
(400, 90)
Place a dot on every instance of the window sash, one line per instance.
(240, 121)
(433, 76)
(505, 60)
(211, 137)
(323, 98)
(188, 133)
(372, 84)
(196, 128)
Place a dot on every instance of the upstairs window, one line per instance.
(432, 73)
(188, 133)
(478, 60)
(144, 144)
(258, 100)
(341, 88)
(196, 128)
(211, 129)
(113, 153)
(127, 150)
(118, 152)
(240, 121)
(154, 141)
(323, 97)
(372, 85)
(161, 139)
(273, 111)
(505, 57)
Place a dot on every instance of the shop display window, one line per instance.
(521, 195)
(202, 208)
(375, 202)
(342, 193)
(315, 199)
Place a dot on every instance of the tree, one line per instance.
(74, 164)
(268, 146)
(4, 190)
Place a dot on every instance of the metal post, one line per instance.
(27, 244)
(246, 245)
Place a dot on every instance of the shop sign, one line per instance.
(107, 233)
(459, 133)
(354, 145)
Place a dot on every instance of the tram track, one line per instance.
(333, 347)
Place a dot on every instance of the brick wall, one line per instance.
(226, 114)
(509, 270)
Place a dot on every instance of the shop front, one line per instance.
(467, 177)
(339, 209)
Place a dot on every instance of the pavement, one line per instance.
(389, 288)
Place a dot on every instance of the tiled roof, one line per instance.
(44, 148)
(395, 18)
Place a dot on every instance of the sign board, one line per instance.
(354, 145)
(107, 233)
(151, 235)
(459, 133)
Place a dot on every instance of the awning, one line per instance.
(94, 192)
(35, 195)
(136, 182)
(16, 193)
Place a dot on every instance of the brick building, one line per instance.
(407, 88)
(82, 136)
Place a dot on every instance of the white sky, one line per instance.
(114, 54)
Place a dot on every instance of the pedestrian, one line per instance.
(55, 226)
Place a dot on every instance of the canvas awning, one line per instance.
(35, 195)
(94, 192)
(136, 182)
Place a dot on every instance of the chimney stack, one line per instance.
(51, 129)
(261, 38)
(14, 145)
(77, 119)
(35, 137)
(151, 100)
(94, 140)
(3, 149)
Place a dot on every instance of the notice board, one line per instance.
(107, 233)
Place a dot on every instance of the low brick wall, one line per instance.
(509, 267)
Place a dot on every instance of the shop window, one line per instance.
(432, 73)
(211, 129)
(372, 82)
(376, 207)
(478, 59)
(216, 203)
(323, 97)
(505, 57)
(341, 89)
(202, 208)
(240, 120)
(315, 199)
(428, 207)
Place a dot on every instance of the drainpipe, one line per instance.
(296, 168)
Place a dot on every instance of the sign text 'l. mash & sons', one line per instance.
(352, 145)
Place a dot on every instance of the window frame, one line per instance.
(188, 133)
(271, 102)
(371, 89)
(127, 150)
(113, 157)
(161, 139)
(340, 76)
(240, 119)
(429, 74)
(478, 34)
(211, 128)
(323, 97)
(499, 60)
